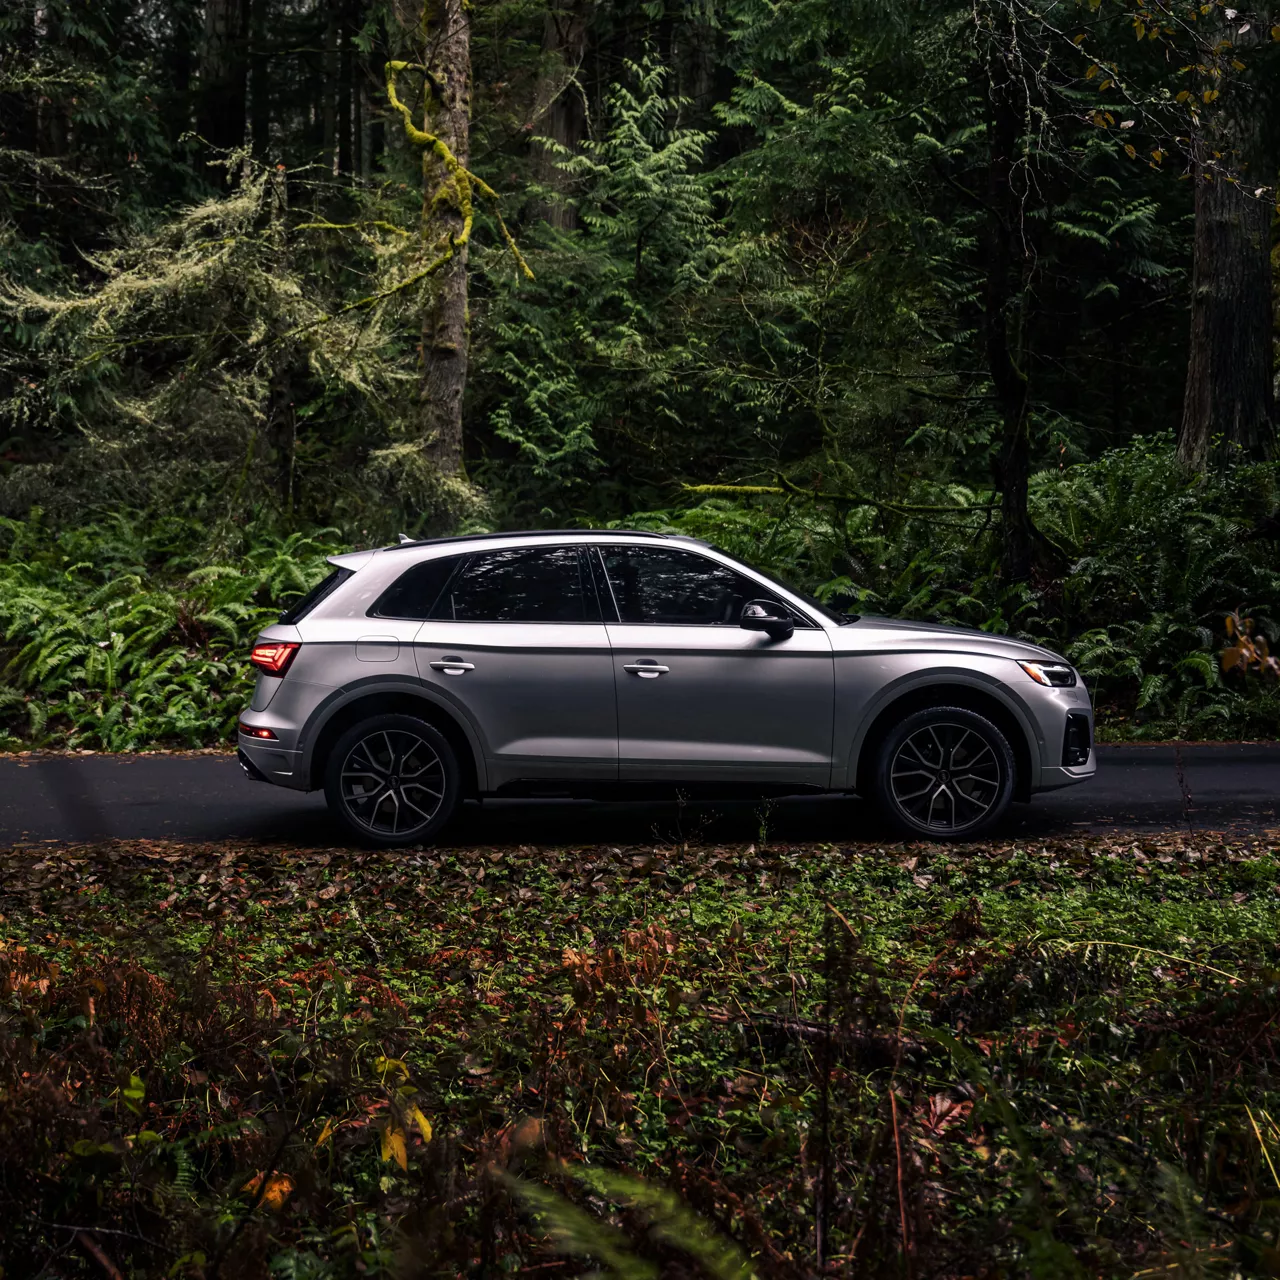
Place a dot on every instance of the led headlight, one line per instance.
(1055, 674)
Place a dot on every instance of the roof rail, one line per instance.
(519, 533)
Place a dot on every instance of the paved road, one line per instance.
(207, 798)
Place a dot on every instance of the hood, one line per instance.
(897, 635)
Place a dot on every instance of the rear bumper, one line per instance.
(268, 762)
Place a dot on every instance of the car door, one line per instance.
(701, 698)
(515, 638)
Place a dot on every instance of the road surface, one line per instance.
(203, 798)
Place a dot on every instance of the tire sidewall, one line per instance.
(918, 720)
(393, 723)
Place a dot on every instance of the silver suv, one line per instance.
(601, 663)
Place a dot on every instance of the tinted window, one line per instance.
(676, 588)
(542, 584)
(414, 593)
(326, 586)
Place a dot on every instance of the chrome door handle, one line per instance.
(646, 670)
(452, 666)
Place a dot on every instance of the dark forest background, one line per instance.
(950, 310)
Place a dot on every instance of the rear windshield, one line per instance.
(296, 612)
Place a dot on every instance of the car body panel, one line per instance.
(731, 705)
(541, 694)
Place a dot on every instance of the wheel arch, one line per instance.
(947, 691)
(333, 720)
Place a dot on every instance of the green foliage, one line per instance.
(117, 636)
(665, 1059)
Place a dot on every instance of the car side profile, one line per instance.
(602, 663)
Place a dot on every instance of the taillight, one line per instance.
(251, 731)
(273, 658)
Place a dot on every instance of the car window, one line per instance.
(525, 584)
(659, 586)
(325, 587)
(414, 593)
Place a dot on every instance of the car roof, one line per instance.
(356, 559)
(541, 533)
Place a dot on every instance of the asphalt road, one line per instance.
(201, 798)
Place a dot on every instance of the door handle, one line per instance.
(452, 666)
(646, 670)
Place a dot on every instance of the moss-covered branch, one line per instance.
(785, 486)
(461, 180)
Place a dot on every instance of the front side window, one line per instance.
(658, 586)
(524, 584)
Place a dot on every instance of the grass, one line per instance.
(1047, 1059)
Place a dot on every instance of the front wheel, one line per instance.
(943, 773)
(392, 780)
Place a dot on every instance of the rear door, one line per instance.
(699, 697)
(516, 639)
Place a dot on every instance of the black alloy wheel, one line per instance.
(392, 780)
(945, 772)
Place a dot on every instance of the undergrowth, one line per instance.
(1044, 1060)
(132, 630)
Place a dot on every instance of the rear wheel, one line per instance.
(392, 780)
(944, 773)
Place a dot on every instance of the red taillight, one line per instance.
(273, 658)
(250, 732)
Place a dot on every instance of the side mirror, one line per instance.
(767, 616)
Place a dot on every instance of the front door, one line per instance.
(516, 640)
(699, 698)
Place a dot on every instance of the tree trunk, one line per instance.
(444, 316)
(1006, 256)
(220, 111)
(1229, 394)
(559, 111)
(260, 80)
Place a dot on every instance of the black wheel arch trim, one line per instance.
(375, 686)
(942, 678)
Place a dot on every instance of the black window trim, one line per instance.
(771, 589)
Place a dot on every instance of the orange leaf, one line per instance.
(393, 1147)
(278, 1189)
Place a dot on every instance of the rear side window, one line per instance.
(525, 584)
(414, 593)
(325, 587)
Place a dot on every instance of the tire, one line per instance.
(919, 786)
(370, 795)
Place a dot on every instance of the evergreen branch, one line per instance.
(786, 486)
(351, 226)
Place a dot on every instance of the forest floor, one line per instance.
(1020, 1057)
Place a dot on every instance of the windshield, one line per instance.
(832, 615)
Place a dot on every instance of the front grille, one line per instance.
(1077, 740)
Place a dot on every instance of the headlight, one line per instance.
(1055, 674)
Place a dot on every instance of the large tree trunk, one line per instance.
(559, 112)
(1229, 394)
(1005, 281)
(444, 317)
(220, 110)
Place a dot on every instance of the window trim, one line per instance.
(769, 590)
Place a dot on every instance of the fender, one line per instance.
(916, 681)
(380, 684)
